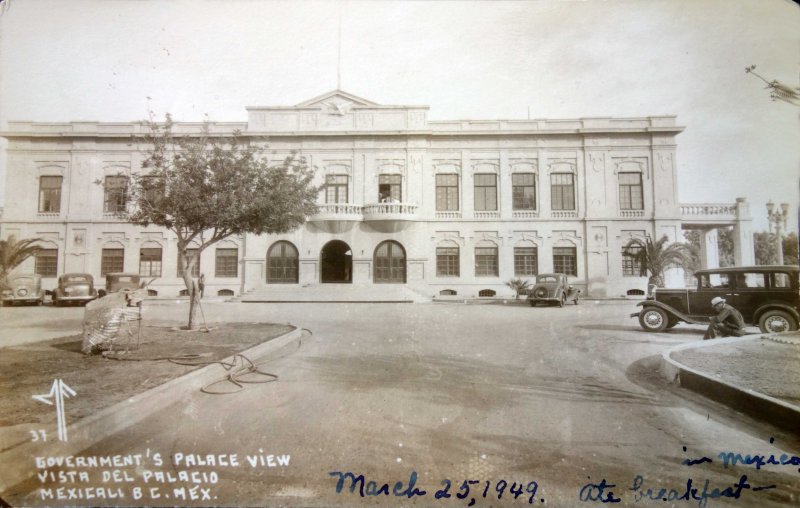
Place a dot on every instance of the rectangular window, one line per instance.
(525, 261)
(486, 262)
(195, 268)
(152, 189)
(781, 280)
(751, 280)
(715, 281)
(50, 194)
(389, 189)
(446, 193)
(485, 192)
(562, 191)
(630, 191)
(523, 191)
(631, 262)
(447, 262)
(150, 262)
(112, 261)
(336, 189)
(565, 260)
(116, 194)
(227, 263)
(46, 263)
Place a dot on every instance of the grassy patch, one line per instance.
(30, 369)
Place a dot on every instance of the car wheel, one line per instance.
(776, 321)
(653, 319)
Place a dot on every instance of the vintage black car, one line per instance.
(552, 288)
(767, 296)
(74, 288)
(23, 289)
(118, 281)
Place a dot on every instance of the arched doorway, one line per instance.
(390, 263)
(282, 263)
(336, 260)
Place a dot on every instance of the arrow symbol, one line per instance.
(58, 391)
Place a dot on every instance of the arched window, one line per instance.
(487, 292)
(390, 263)
(448, 292)
(225, 292)
(282, 263)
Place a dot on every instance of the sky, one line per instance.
(115, 60)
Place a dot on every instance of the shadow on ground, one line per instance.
(634, 328)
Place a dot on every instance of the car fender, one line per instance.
(775, 306)
(671, 311)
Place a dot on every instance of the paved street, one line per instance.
(563, 397)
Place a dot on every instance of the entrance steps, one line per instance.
(352, 293)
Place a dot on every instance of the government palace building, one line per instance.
(438, 208)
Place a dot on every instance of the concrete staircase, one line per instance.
(352, 293)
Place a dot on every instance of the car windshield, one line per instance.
(23, 280)
(124, 279)
(547, 278)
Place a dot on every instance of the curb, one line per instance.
(88, 431)
(745, 400)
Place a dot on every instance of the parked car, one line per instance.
(552, 288)
(74, 288)
(767, 296)
(118, 281)
(23, 289)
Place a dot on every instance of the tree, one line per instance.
(764, 243)
(206, 188)
(13, 253)
(777, 90)
(518, 285)
(655, 257)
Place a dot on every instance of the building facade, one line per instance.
(446, 207)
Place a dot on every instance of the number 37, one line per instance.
(38, 435)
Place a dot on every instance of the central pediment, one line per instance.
(338, 97)
(336, 111)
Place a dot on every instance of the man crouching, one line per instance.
(727, 322)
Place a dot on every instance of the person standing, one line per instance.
(201, 284)
(727, 322)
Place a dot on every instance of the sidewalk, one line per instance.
(755, 374)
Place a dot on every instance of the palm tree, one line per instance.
(518, 285)
(655, 257)
(13, 253)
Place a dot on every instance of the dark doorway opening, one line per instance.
(336, 260)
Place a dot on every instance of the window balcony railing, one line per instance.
(525, 214)
(631, 213)
(337, 211)
(448, 214)
(564, 214)
(486, 214)
(390, 211)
